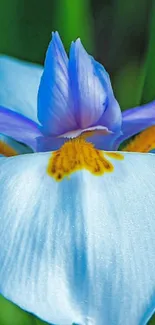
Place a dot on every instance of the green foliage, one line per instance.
(152, 321)
(128, 85)
(149, 85)
(12, 315)
(73, 19)
(26, 26)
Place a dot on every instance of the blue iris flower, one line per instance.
(77, 226)
(75, 96)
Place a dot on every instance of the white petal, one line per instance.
(79, 250)
(19, 83)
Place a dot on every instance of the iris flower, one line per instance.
(77, 218)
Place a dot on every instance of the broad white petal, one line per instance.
(19, 82)
(81, 250)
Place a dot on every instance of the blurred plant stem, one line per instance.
(127, 27)
(128, 84)
(149, 85)
(73, 19)
(127, 53)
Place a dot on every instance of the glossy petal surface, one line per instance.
(55, 111)
(19, 82)
(19, 127)
(90, 250)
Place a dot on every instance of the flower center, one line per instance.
(77, 154)
(144, 142)
(6, 150)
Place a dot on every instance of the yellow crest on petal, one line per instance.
(6, 150)
(144, 142)
(77, 154)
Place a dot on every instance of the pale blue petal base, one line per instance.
(19, 82)
(80, 250)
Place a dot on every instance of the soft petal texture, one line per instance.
(96, 135)
(112, 116)
(137, 119)
(55, 108)
(89, 95)
(99, 129)
(19, 127)
(92, 92)
(19, 82)
(19, 147)
(80, 250)
(49, 143)
(106, 142)
(101, 139)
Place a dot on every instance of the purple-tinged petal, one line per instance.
(104, 142)
(19, 82)
(137, 119)
(55, 108)
(112, 116)
(98, 130)
(19, 127)
(100, 137)
(48, 143)
(89, 95)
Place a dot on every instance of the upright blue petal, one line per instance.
(55, 108)
(81, 256)
(19, 82)
(89, 95)
(93, 97)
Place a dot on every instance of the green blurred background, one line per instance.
(120, 34)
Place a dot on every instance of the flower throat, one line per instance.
(77, 154)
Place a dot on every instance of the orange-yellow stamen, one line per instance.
(78, 154)
(144, 142)
(6, 150)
